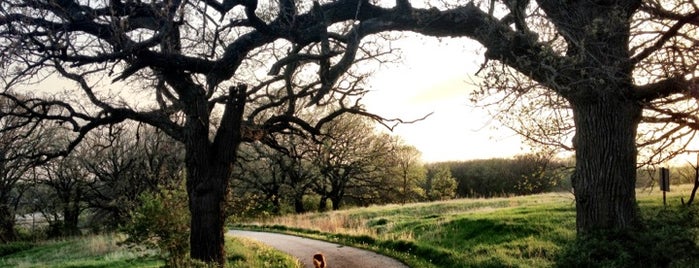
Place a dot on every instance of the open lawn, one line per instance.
(526, 231)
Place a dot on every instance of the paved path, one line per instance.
(337, 256)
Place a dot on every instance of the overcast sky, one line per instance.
(437, 77)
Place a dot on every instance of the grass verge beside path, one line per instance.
(527, 231)
(248, 253)
(103, 251)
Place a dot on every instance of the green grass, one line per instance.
(245, 253)
(89, 251)
(528, 231)
(103, 251)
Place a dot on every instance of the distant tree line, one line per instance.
(353, 165)
(521, 175)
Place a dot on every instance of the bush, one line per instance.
(32, 234)
(161, 222)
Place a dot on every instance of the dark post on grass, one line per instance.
(664, 182)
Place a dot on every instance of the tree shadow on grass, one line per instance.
(668, 238)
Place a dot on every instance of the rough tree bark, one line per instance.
(207, 187)
(605, 113)
(209, 168)
(605, 171)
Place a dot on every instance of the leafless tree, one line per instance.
(18, 143)
(61, 188)
(207, 74)
(121, 163)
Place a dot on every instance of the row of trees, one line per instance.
(356, 166)
(98, 183)
(102, 179)
(352, 164)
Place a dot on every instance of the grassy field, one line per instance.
(527, 231)
(103, 251)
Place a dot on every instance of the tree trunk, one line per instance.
(7, 224)
(405, 187)
(276, 204)
(209, 168)
(337, 200)
(323, 204)
(71, 211)
(605, 171)
(298, 203)
(71, 214)
(207, 188)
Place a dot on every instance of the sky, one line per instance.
(437, 77)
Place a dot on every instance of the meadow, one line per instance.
(523, 231)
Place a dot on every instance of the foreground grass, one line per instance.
(103, 251)
(247, 253)
(89, 251)
(526, 231)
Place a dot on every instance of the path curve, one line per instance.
(337, 256)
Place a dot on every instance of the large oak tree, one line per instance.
(194, 58)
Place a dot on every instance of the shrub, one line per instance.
(161, 222)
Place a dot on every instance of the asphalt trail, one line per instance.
(337, 256)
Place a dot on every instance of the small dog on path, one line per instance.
(319, 261)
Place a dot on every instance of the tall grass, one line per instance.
(525, 231)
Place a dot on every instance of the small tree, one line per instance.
(440, 185)
(259, 172)
(535, 173)
(409, 171)
(161, 221)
